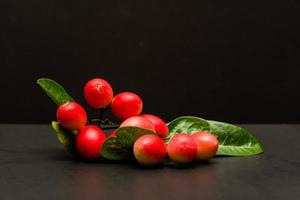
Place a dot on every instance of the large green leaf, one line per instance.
(128, 135)
(186, 124)
(66, 137)
(233, 140)
(55, 91)
(113, 149)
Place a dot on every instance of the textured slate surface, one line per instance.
(33, 165)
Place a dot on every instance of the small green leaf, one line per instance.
(54, 90)
(234, 140)
(186, 124)
(113, 149)
(129, 134)
(66, 137)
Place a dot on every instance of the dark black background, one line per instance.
(234, 61)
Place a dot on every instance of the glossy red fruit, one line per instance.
(149, 150)
(126, 104)
(89, 142)
(112, 134)
(139, 121)
(182, 148)
(98, 93)
(71, 115)
(207, 145)
(160, 126)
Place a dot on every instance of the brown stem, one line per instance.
(101, 116)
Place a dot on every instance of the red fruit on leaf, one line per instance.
(149, 150)
(112, 134)
(160, 126)
(71, 116)
(89, 142)
(182, 148)
(98, 93)
(126, 104)
(207, 145)
(140, 122)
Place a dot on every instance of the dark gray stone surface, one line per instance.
(33, 165)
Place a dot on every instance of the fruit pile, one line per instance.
(148, 149)
(145, 137)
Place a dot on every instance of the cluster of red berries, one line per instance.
(148, 149)
(182, 148)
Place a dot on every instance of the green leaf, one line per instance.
(120, 147)
(186, 124)
(66, 137)
(129, 134)
(234, 140)
(113, 149)
(55, 91)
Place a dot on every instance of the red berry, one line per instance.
(98, 93)
(112, 134)
(207, 145)
(71, 115)
(149, 150)
(126, 104)
(138, 121)
(182, 148)
(89, 142)
(160, 126)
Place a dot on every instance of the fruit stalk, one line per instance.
(101, 117)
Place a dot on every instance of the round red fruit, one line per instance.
(160, 126)
(139, 121)
(98, 93)
(207, 145)
(182, 148)
(126, 104)
(89, 142)
(149, 150)
(71, 115)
